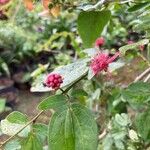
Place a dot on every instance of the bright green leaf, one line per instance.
(17, 117)
(91, 25)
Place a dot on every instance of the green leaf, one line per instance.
(41, 131)
(53, 102)
(122, 119)
(13, 145)
(70, 73)
(138, 6)
(2, 104)
(137, 94)
(91, 25)
(73, 129)
(123, 49)
(17, 117)
(78, 93)
(10, 129)
(142, 124)
(31, 143)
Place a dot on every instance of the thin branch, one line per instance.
(147, 78)
(31, 121)
(141, 76)
(144, 59)
(102, 135)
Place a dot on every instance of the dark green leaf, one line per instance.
(78, 93)
(73, 129)
(53, 102)
(138, 6)
(91, 25)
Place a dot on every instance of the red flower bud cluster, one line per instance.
(54, 81)
(99, 42)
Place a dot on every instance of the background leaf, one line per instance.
(91, 25)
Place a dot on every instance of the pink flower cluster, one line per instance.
(101, 62)
(54, 81)
(2, 2)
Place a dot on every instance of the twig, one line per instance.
(147, 78)
(144, 59)
(142, 75)
(34, 118)
(102, 135)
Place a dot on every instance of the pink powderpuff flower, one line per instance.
(101, 62)
(54, 81)
(2, 2)
(99, 42)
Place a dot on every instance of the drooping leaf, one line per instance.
(53, 102)
(72, 129)
(31, 143)
(70, 74)
(91, 25)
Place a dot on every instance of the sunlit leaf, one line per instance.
(91, 25)
(53, 102)
(73, 128)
